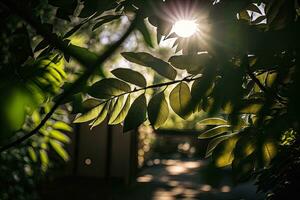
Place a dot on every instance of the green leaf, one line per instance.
(269, 150)
(122, 114)
(62, 126)
(141, 26)
(192, 63)
(215, 142)
(116, 109)
(136, 114)
(145, 59)
(59, 136)
(57, 146)
(158, 110)
(101, 117)
(215, 131)
(180, 98)
(44, 159)
(213, 121)
(89, 104)
(90, 115)
(86, 57)
(223, 154)
(107, 88)
(130, 76)
(32, 154)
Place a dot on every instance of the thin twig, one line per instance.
(149, 87)
(260, 85)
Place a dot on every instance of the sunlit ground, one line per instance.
(172, 179)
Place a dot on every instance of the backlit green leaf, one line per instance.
(59, 150)
(223, 154)
(180, 98)
(44, 159)
(269, 150)
(116, 109)
(215, 131)
(62, 126)
(101, 117)
(32, 154)
(59, 136)
(215, 142)
(88, 116)
(122, 114)
(213, 121)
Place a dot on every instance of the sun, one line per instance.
(185, 28)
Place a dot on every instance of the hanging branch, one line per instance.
(61, 45)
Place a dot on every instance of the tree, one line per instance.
(242, 70)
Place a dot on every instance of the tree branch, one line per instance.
(59, 44)
(187, 79)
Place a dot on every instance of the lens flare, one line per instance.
(185, 28)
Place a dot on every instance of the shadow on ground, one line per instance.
(167, 179)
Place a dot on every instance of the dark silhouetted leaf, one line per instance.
(107, 88)
(254, 8)
(130, 76)
(259, 20)
(141, 26)
(158, 110)
(192, 63)
(147, 60)
(136, 114)
(42, 45)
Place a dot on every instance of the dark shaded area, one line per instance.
(167, 180)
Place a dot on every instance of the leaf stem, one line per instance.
(187, 79)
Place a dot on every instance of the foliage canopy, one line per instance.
(242, 70)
